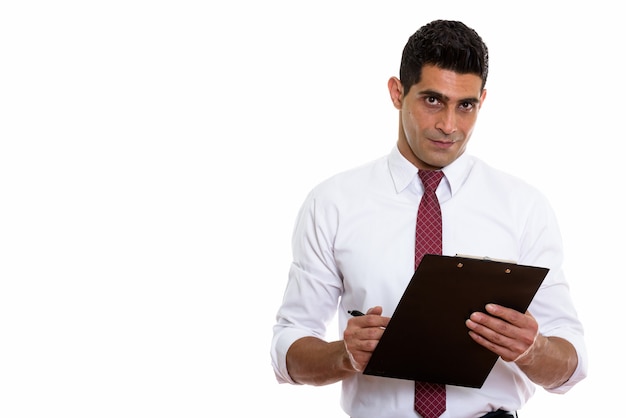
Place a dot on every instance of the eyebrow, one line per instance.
(445, 98)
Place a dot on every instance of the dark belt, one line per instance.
(500, 414)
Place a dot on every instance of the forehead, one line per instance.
(448, 83)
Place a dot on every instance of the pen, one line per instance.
(356, 313)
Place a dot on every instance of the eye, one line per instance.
(431, 100)
(467, 106)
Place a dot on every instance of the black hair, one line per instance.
(447, 44)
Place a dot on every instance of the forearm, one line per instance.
(316, 362)
(550, 362)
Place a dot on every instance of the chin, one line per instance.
(439, 161)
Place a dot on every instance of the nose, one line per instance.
(447, 121)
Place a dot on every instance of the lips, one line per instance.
(442, 144)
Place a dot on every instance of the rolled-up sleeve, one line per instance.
(314, 283)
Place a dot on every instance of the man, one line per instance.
(355, 238)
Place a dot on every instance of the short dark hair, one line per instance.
(447, 44)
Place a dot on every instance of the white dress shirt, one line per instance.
(353, 248)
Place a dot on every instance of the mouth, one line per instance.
(443, 144)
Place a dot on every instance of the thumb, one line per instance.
(376, 310)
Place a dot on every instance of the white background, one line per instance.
(153, 156)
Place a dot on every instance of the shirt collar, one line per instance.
(404, 173)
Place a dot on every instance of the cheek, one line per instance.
(467, 123)
(411, 122)
(410, 128)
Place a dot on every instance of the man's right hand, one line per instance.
(362, 334)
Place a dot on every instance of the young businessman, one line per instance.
(355, 238)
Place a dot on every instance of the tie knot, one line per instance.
(430, 179)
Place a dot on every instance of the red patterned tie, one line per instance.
(430, 398)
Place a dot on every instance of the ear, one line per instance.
(483, 96)
(395, 92)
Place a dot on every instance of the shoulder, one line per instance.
(354, 180)
(501, 180)
(502, 189)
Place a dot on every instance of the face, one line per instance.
(437, 115)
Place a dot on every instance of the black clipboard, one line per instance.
(427, 338)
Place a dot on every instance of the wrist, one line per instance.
(348, 360)
(527, 356)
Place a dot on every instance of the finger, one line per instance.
(362, 333)
(509, 315)
(376, 310)
(504, 352)
(487, 329)
(360, 348)
(373, 320)
(492, 327)
(524, 326)
(507, 341)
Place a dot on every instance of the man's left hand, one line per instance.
(505, 331)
